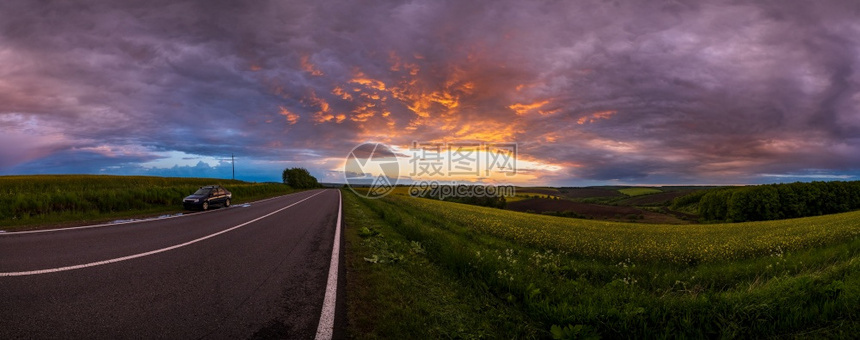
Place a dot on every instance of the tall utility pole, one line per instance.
(233, 162)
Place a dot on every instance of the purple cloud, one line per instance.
(656, 92)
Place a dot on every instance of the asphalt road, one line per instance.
(230, 273)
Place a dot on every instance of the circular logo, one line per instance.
(371, 170)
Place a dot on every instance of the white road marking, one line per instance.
(144, 219)
(325, 329)
(113, 223)
(125, 258)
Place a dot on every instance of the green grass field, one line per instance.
(429, 269)
(28, 202)
(639, 191)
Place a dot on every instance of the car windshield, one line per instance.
(202, 192)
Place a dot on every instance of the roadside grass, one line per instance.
(639, 191)
(32, 202)
(567, 279)
(394, 291)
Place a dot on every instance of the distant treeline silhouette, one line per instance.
(299, 178)
(775, 201)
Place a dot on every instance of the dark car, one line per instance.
(208, 196)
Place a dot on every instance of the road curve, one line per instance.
(257, 271)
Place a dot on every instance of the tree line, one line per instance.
(777, 201)
(299, 178)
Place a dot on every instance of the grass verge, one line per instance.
(395, 291)
(39, 202)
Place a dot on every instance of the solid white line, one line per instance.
(124, 258)
(127, 222)
(325, 329)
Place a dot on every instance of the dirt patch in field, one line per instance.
(540, 191)
(570, 192)
(655, 199)
(593, 211)
(588, 193)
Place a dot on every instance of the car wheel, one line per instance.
(227, 203)
(205, 205)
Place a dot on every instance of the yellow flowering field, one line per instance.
(664, 243)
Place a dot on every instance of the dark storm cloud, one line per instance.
(76, 161)
(656, 91)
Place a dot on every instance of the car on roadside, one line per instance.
(207, 197)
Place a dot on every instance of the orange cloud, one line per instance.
(292, 118)
(488, 131)
(362, 79)
(447, 99)
(363, 112)
(423, 102)
(310, 68)
(437, 107)
(394, 60)
(551, 138)
(413, 69)
(596, 116)
(397, 64)
(341, 93)
(523, 109)
(320, 103)
(323, 113)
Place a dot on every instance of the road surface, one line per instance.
(253, 271)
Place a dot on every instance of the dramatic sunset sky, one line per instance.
(592, 92)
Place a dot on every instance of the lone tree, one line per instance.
(299, 178)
